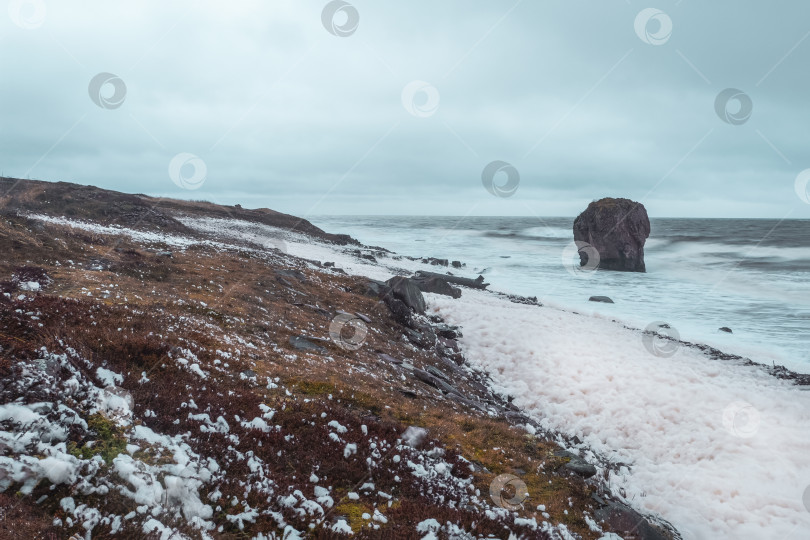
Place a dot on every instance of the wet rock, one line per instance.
(427, 331)
(362, 317)
(452, 355)
(399, 311)
(406, 290)
(471, 403)
(477, 283)
(433, 370)
(328, 264)
(376, 288)
(437, 285)
(576, 464)
(603, 299)
(407, 392)
(726, 329)
(434, 381)
(447, 331)
(627, 522)
(295, 274)
(363, 255)
(389, 358)
(617, 229)
(528, 300)
(167, 254)
(434, 261)
(456, 264)
(305, 344)
(422, 340)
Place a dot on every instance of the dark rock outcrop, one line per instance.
(399, 311)
(603, 299)
(624, 520)
(406, 290)
(617, 229)
(305, 344)
(576, 464)
(437, 285)
(477, 283)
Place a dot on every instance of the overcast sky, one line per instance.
(277, 104)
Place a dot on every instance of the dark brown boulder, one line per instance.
(617, 229)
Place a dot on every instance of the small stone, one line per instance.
(304, 344)
(362, 317)
(726, 329)
(296, 274)
(389, 358)
(447, 331)
(434, 381)
(576, 464)
(438, 373)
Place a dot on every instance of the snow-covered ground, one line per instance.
(715, 447)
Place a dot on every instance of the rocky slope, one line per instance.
(157, 382)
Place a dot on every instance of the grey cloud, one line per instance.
(283, 112)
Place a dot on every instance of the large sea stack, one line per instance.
(617, 229)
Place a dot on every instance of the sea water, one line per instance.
(750, 275)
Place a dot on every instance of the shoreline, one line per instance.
(255, 318)
(578, 398)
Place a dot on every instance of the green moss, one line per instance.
(353, 511)
(110, 442)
